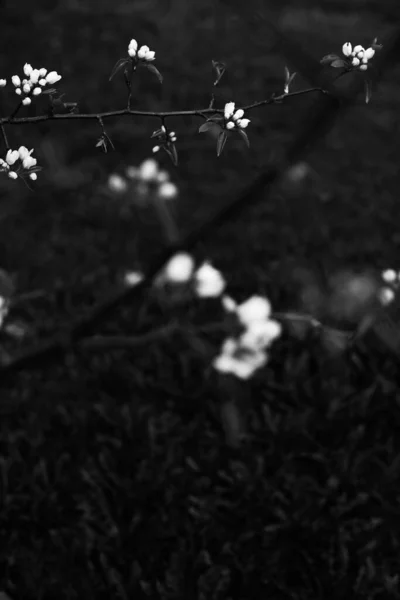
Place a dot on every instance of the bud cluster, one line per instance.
(358, 56)
(163, 137)
(144, 53)
(35, 80)
(234, 118)
(27, 163)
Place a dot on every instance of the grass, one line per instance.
(119, 472)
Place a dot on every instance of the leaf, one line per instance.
(223, 136)
(368, 90)
(119, 65)
(154, 70)
(219, 68)
(172, 153)
(244, 136)
(206, 127)
(329, 58)
(338, 64)
(335, 341)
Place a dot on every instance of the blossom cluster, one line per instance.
(234, 118)
(358, 56)
(32, 84)
(27, 163)
(148, 177)
(241, 353)
(392, 281)
(163, 138)
(245, 353)
(144, 53)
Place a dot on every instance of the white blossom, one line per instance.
(33, 176)
(347, 49)
(18, 91)
(148, 169)
(16, 80)
(37, 91)
(29, 162)
(3, 82)
(369, 53)
(52, 77)
(233, 360)
(357, 49)
(238, 114)
(34, 76)
(117, 184)
(26, 88)
(27, 69)
(144, 53)
(208, 281)
(12, 156)
(243, 123)
(355, 62)
(230, 125)
(167, 189)
(42, 72)
(26, 101)
(386, 296)
(229, 110)
(12, 175)
(179, 268)
(254, 309)
(390, 276)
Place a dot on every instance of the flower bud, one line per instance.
(53, 77)
(363, 67)
(12, 156)
(369, 53)
(357, 49)
(243, 123)
(162, 176)
(16, 80)
(37, 91)
(156, 149)
(229, 110)
(133, 45)
(27, 88)
(390, 276)
(12, 175)
(33, 176)
(42, 82)
(238, 114)
(230, 125)
(42, 72)
(355, 62)
(34, 77)
(132, 52)
(27, 69)
(3, 82)
(18, 91)
(143, 51)
(360, 55)
(117, 184)
(23, 152)
(29, 162)
(254, 309)
(26, 101)
(346, 49)
(150, 56)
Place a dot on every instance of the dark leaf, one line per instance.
(206, 127)
(223, 136)
(368, 90)
(329, 58)
(172, 153)
(244, 136)
(154, 70)
(119, 65)
(338, 64)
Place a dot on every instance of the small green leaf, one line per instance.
(368, 90)
(223, 136)
(119, 65)
(244, 136)
(206, 127)
(154, 70)
(338, 64)
(329, 58)
(172, 153)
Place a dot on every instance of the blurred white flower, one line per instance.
(117, 184)
(167, 189)
(386, 296)
(148, 170)
(208, 281)
(235, 361)
(390, 276)
(180, 268)
(132, 278)
(254, 309)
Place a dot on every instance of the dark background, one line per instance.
(100, 497)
